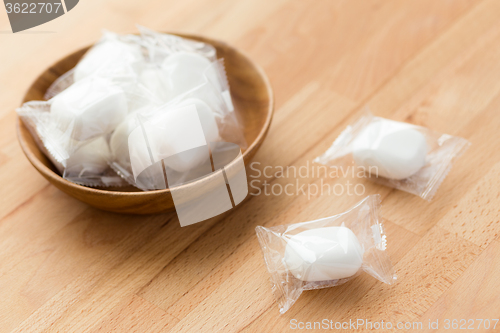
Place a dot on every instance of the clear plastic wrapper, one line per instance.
(60, 84)
(407, 157)
(32, 114)
(326, 252)
(160, 46)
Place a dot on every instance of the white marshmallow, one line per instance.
(207, 118)
(173, 135)
(89, 108)
(395, 150)
(109, 53)
(91, 158)
(185, 71)
(155, 80)
(323, 254)
(171, 145)
(119, 141)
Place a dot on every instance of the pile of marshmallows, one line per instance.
(120, 83)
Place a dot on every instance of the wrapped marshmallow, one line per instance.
(89, 108)
(162, 133)
(88, 165)
(407, 157)
(214, 91)
(155, 80)
(119, 140)
(323, 254)
(74, 127)
(82, 162)
(326, 252)
(120, 156)
(92, 157)
(207, 118)
(398, 153)
(175, 137)
(142, 146)
(184, 71)
(111, 53)
(178, 74)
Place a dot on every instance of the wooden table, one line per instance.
(66, 267)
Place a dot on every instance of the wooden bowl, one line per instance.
(253, 99)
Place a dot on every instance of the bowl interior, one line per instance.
(250, 91)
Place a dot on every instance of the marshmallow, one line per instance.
(185, 71)
(106, 54)
(169, 144)
(92, 158)
(395, 149)
(207, 118)
(154, 79)
(323, 254)
(118, 142)
(89, 108)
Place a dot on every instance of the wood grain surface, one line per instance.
(67, 267)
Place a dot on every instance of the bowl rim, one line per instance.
(47, 172)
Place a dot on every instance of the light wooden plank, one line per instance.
(135, 315)
(70, 268)
(424, 274)
(471, 296)
(476, 217)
